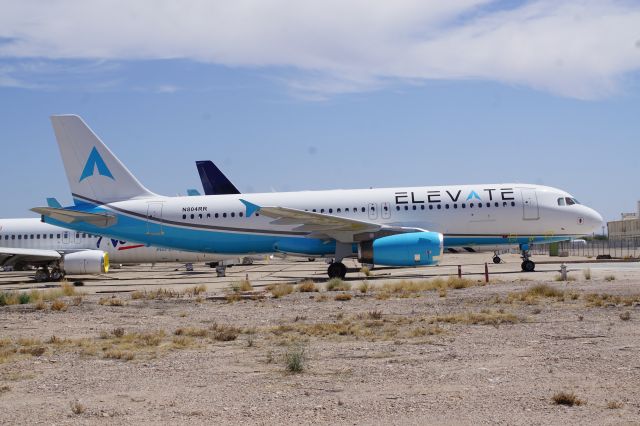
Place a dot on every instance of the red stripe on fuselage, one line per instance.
(130, 247)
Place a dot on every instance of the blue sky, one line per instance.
(414, 95)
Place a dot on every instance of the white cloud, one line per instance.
(581, 49)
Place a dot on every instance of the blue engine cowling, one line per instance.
(411, 249)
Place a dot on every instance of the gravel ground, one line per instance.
(417, 364)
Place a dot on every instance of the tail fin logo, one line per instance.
(95, 161)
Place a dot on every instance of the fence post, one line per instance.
(486, 272)
(459, 271)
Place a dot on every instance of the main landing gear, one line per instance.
(528, 265)
(337, 270)
(496, 258)
(44, 274)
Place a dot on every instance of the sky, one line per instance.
(291, 95)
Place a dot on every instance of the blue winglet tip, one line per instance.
(251, 208)
(52, 202)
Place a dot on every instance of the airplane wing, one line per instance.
(11, 256)
(320, 225)
(71, 216)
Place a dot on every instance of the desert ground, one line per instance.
(275, 343)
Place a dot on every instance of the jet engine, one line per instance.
(410, 249)
(86, 262)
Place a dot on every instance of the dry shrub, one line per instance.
(40, 305)
(587, 274)
(111, 301)
(77, 408)
(233, 297)
(596, 300)
(195, 290)
(336, 284)
(343, 297)
(135, 295)
(406, 287)
(33, 350)
(427, 331)
(610, 277)
(68, 289)
(364, 287)
(118, 332)
(245, 285)
(365, 271)
(295, 358)
(224, 333)
(322, 298)
(614, 405)
(182, 341)
(58, 305)
(307, 286)
(191, 332)
(119, 354)
(280, 290)
(625, 316)
(484, 317)
(374, 315)
(566, 398)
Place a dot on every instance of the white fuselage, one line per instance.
(467, 215)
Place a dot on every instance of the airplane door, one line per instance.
(373, 211)
(386, 210)
(65, 237)
(531, 211)
(154, 218)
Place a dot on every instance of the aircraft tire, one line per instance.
(497, 259)
(528, 266)
(337, 270)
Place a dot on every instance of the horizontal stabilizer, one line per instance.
(101, 220)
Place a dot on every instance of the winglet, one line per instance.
(251, 208)
(53, 202)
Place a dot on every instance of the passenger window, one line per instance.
(386, 208)
(208, 215)
(44, 236)
(184, 216)
(330, 210)
(37, 236)
(480, 205)
(470, 205)
(513, 204)
(13, 237)
(421, 206)
(77, 235)
(463, 205)
(51, 236)
(192, 216)
(488, 204)
(346, 210)
(497, 204)
(339, 211)
(414, 207)
(257, 214)
(430, 206)
(406, 207)
(321, 210)
(233, 214)
(314, 210)
(84, 235)
(19, 237)
(58, 235)
(398, 208)
(446, 206)
(30, 237)
(504, 204)
(224, 214)
(200, 215)
(455, 206)
(439, 206)
(216, 215)
(364, 210)
(240, 214)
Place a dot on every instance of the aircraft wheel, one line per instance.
(57, 275)
(337, 270)
(42, 276)
(528, 266)
(497, 259)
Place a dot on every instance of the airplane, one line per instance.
(406, 226)
(59, 251)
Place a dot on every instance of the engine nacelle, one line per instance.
(86, 262)
(411, 249)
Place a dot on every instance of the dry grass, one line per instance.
(307, 286)
(484, 317)
(111, 301)
(59, 305)
(566, 398)
(295, 358)
(343, 297)
(405, 288)
(77, 408)
(614, 405)
(364, 287)
(598, 300)
(625, 316)
(569, 278)
(610, 277)
(224, 333)
(242, 285)
(587, 274)
(365, 271)
(158, 294)
(119, 354)
(540, 291)
(191, 332)
(195, 290)
(280, 290)
(336, 284)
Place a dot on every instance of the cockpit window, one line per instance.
(570, 201)
(561, 202)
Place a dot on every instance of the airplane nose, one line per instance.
(593, 219)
